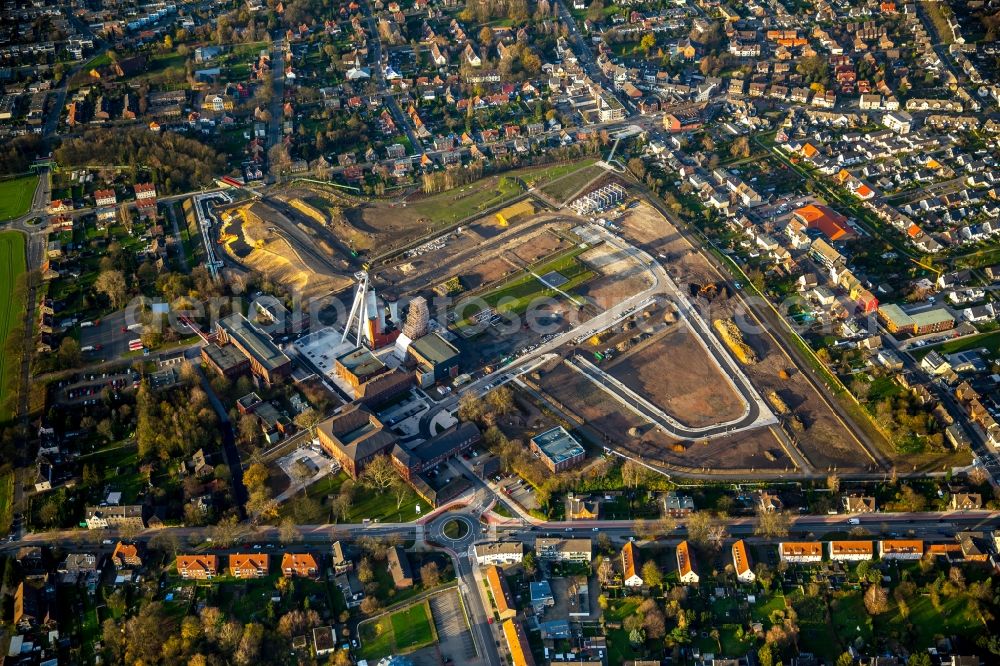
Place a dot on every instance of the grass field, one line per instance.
(561, 190)
(457, 204)
(6, 501)
(398, 633)
(12, 264)
(534, 176)
(15, 196)
(366, 504)
(988, 341)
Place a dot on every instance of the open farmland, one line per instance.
(12, 265)
(16, 195)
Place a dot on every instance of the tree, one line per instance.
(470, 408)
(705, 530)
(605, 571)
(248, 429)
(877, 600)
(308, 420)
(833, 483)
(651, 574)
(255, 476)
(69, 353)
(370, 605)
(529, 563)
(740, 147)
(379, 474)
(400, 491)
(595, 12)
(647, 43)
(288, 532)
(111, 283)
(365, 572)
(910, 500)
(486, 36)
(430, 575)
(501, 400)
(771, 524)
(634, 473)
(249, 646)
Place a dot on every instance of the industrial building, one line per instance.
(436, 358)
(266, 360)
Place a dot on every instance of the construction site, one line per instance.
(637, 334)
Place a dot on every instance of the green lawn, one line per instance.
(404, 631)
(6, 501)
(366, 504)
(462, 202)
(535, 175)
(16, 195)
(12, 265)
(989, 341)
(562, 189)
(926, 623)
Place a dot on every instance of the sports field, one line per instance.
(15, 196)
(12, 264)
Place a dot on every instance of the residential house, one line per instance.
(126, 555)
(564, 550)
(399, 567)
(800, 552)
(249, 565)
(499, 552)
(741, 563)
(198, 567)
(500, 592)
(900, 549)
(686, 570)
(631, 565)
(859, 504)
(299, 565)
(851, 551)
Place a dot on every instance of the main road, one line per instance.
(930, 525)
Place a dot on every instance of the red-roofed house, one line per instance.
(832, 224)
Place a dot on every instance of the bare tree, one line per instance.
(112, 284)
(379, 474)
(706, 530)
(772, 524)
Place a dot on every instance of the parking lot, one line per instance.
(304, 466)
(85, 389)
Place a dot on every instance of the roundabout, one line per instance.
(454, 530)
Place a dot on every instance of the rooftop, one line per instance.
(433, 349)
(557, 444)
(361, 363)
(254, 341)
